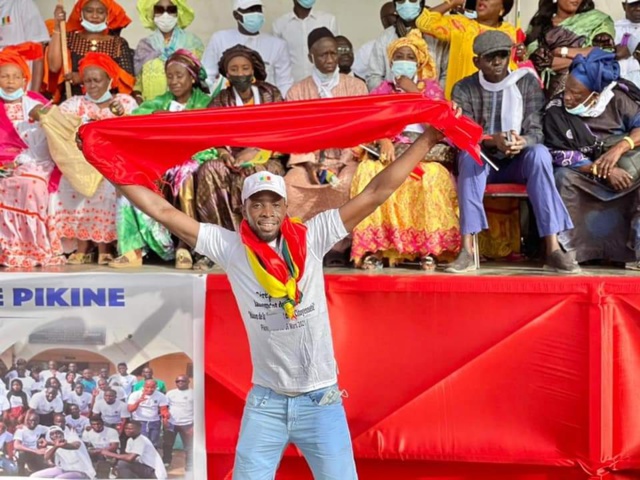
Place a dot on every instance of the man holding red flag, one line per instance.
(274, 264)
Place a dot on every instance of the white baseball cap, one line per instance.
(244, 4)
(263, 181)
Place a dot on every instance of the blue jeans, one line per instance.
(271, 421)
(7, 467)
(151, 430)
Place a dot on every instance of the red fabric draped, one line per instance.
(139, 150)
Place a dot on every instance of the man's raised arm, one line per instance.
(388, 180)
(154, 205)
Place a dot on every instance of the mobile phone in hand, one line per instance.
(509, 137)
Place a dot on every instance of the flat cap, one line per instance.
(491, 42)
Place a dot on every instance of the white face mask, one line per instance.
(106, 96)
(13, 96)
(93, 27)
(166, 22)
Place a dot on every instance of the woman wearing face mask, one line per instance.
(25, 167)
(88, 30)
(406, 13)
(82, 221)
(559, 32)
(592, 131)
(420, 222)
(460, 32)
(219, 181)
(168, 20)
(188, 90)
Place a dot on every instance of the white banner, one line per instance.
(97, 325)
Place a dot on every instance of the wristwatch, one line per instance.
(564, 52)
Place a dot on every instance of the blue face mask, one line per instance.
(106, 96)
(252, 22)
(408, 10)
(580, 110)
(404, 68)
(306, 3)
(93, 27)
(471, 14)
(10, 97)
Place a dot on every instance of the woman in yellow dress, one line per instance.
(420, 220)
(460, 32)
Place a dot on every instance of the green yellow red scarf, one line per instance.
(279, 276)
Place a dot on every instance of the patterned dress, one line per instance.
(25, 237)
(421, 217)
(73, 216)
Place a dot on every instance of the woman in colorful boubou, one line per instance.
(25, 167)
(420, 222)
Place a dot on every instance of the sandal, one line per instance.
(371, 262)
(105, 258)
(428, 264)
(183, 259)
(203, 264)
(130, 259)
(80, 258)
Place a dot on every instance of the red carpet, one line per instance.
(457, 378)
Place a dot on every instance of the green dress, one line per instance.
(136, 230)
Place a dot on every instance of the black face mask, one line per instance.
(241, 83)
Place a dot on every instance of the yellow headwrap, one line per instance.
(145, 10)
(426, 65)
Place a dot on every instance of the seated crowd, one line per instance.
(559, 105)
(63, 423)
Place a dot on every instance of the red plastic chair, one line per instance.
(499, 190)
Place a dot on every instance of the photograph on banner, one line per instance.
(101, 376)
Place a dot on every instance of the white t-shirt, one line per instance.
(75, 460)
(21, 22)
(4, 403)
(29, 384)
(288, 356)
(82, 401)
(14, 373)
(126, 381)
(6, 437)
(29, 438)
(295, 31)
(120, 394)
(47, 374)
(147, 411)
(111, 414)
(147, 455)
(101, 439)
(273, 51)
(180, 406)
(16, 401)
(37, 386)
(70, 435)
(41, 405)
(77, 424)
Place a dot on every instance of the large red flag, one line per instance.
(140, 149)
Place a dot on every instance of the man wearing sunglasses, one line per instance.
(274, 52)
(509, 106)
